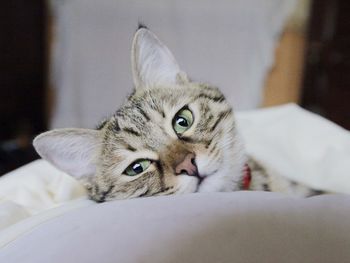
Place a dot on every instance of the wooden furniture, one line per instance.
(283, 83)
(326, 86)
(22, 67)
(22, 79)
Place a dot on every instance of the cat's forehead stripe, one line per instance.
(143, 113)
(131, 131)
(216, 98)
(135, 122)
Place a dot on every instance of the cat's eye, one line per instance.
(137, 167)
(182, 121)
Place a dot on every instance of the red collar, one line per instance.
(247, 177)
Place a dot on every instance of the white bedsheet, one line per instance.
(286, 139)
(34, 194)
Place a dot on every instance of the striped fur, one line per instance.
(142, 128)
(144, 131)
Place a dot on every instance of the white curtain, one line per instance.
(229, 43)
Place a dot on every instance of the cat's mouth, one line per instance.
(202, 177)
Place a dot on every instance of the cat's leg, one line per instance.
(264, 180)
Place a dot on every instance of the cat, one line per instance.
(171, 136)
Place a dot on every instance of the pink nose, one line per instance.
(187, 165)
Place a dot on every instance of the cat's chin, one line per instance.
(219, 181)
(186, 184)
(210, 183)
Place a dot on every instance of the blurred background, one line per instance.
(65, 63)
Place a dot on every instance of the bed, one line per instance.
(47, 217)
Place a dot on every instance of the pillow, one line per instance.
(216, 227)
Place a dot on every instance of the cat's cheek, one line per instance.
(186, 184)
(205, 165)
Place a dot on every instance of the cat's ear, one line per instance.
(70, 150)
(152, 62)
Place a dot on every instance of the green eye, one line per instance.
(137, 167)
(183, 121)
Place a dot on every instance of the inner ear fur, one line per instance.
(152, 62)
(73, 151)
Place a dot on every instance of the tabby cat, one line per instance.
(171, 136)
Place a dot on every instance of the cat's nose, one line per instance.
(187, 165)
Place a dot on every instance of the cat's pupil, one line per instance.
(137, 168)
(182, 122)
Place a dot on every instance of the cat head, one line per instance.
(171, 136)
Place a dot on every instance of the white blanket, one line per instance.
(299, 145)
(287, 139)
